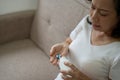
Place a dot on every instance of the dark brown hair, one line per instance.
(116, 30)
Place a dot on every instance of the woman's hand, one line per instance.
(61, 48)
(74, 73)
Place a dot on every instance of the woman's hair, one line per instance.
(116, 31)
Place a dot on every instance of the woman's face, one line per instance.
(103, 15)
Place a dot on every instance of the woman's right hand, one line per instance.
(61, 48)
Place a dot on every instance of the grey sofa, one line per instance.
(27, 36)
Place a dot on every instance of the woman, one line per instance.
(94, 45)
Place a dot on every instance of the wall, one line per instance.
(8, 6)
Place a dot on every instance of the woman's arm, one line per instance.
(74, 73)
(61, 48)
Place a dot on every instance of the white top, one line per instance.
(98, 62)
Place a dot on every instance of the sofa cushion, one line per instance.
(15, 26)
(55, 19)
(23, 60)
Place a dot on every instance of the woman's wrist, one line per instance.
(68, 41)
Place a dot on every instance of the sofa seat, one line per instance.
(23, 60)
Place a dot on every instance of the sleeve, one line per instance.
(114, 73)
(78, 28)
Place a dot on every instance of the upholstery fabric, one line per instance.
(54, 20)
(23, 60)
(15, 26)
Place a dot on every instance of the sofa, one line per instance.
(27, 36)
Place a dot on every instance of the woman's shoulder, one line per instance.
(85, 22)
(85, 19)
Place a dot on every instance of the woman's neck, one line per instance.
(100, 38)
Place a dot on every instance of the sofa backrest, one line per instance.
(55, 19)
(15, 26)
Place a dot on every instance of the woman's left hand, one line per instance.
(74, 73)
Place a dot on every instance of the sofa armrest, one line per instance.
(15, 26)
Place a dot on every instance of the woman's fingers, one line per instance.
(52, 50)
(71, 66)
(61, 49)
(56, 48)
(53, 59)
(55, 62)
(66, 75)
(71, 71)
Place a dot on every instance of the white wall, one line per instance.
(8, 6)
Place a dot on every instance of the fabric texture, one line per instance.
(23, 60)
(115, 69)
(15, 26)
